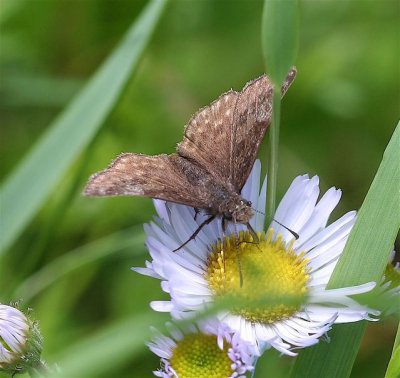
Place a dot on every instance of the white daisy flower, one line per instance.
(277, 266)
(205, 350)
(20, 341)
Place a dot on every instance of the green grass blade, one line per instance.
(368, 248)
(132, 238)
(333, 359)
(397, 340)
(279, 37)
(372, 238)
(31, 182)
(273, 159)
(393, 369)
(279, 45)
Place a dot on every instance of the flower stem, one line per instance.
(273, 156)
(40, 370)
(255, 365)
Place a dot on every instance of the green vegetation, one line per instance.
(68, 256)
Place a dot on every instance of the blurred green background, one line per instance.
(336, 121)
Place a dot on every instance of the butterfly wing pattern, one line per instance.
(218, 150)
(252, 116)
(207, 138)
(142, 175)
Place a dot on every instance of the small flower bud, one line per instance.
(20, 341)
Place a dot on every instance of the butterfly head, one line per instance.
(238, 210)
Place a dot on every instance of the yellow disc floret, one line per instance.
(271, 273)
(198, 356)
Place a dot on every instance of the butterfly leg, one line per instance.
(196, 212)
(207, 221)
(239, 263)
(224, 225)
(256, 240)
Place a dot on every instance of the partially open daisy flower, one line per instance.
(20, 341)
(275, 266)
(206, 350)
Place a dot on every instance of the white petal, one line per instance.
(320, 215)
(339, 228)
(326, 253)
(161, 209)
(251, 188)
(296, 206)
(292, 196)
(161, 306)
(146, 272)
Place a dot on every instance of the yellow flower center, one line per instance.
(198, 356)
(274, 277)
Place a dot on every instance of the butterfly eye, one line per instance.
(248, 203)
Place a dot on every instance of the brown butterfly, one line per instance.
(211, 164)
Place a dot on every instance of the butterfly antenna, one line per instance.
(258, 211)
(295, 234)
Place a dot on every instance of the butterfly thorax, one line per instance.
(236, 209)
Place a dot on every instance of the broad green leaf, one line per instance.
(32, 181)
(279, 37)
(71, 261)
(364, 259)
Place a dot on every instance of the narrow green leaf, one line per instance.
(364, 259)
(31, 182)
(397, 340)
(393, 369)
(326, 359)
(372, 238)
(273, 158)
(132, 238)
(279, 37)
(279, 45)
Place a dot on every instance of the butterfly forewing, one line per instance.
(252, 117)
(208, 136)
(150, 176)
